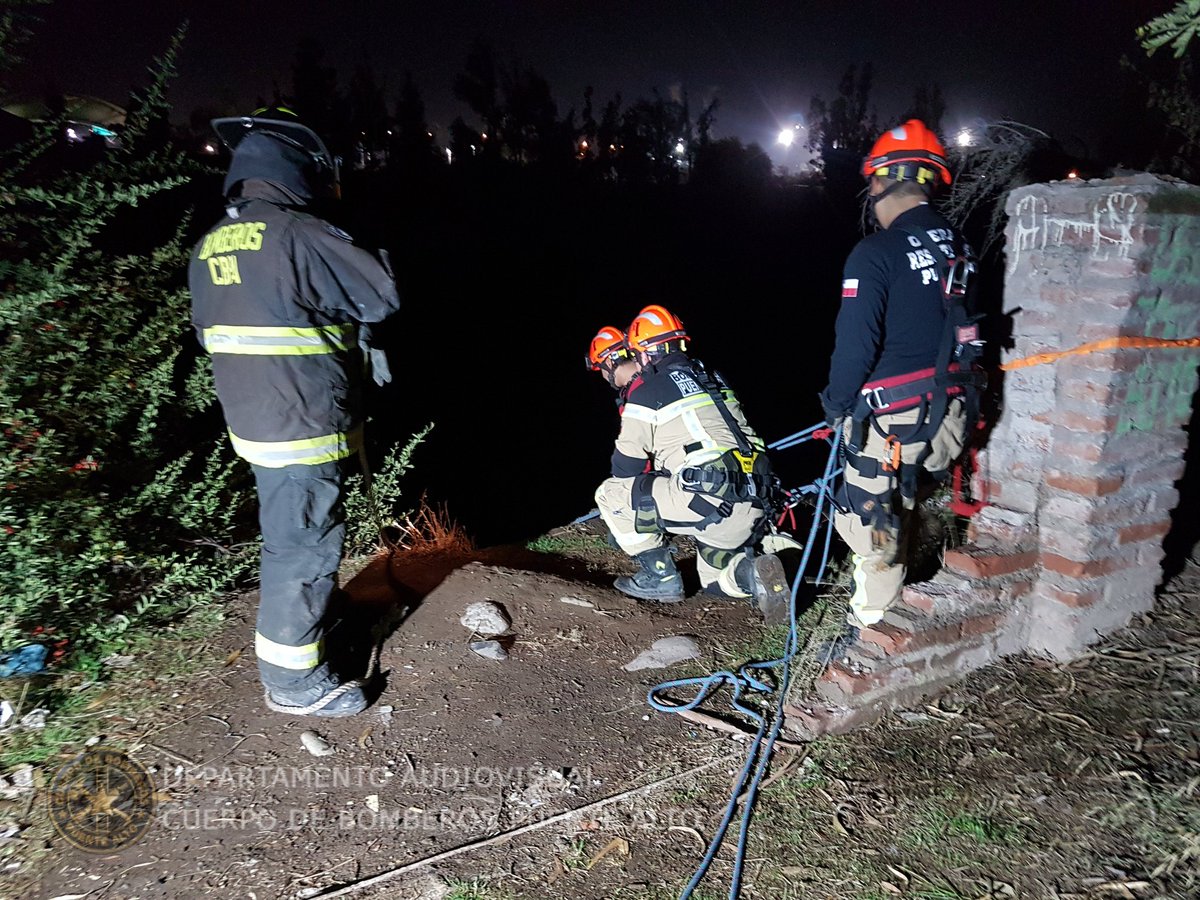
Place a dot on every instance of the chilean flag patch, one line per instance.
(849, 288)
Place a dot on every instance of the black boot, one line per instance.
(656, 579)
(348, 702)
(763, 578)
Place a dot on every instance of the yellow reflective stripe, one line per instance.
(306, 656)
(305, 452)
(679, 407)
(263, 340)
(640, 413)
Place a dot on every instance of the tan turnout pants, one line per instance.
(614, 499)
(879, 554)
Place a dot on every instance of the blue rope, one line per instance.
(745, 681)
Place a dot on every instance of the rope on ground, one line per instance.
(1117, 343)
(747, 683)
(356, 886)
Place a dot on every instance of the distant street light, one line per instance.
(680, 148)
(965, 138)
(786, 137)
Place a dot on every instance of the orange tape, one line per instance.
(1117, 343)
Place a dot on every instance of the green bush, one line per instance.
(119, 498)
(374, 509)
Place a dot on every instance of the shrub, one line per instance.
(119, 499)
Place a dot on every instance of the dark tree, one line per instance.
(369, 122)
(529, 116)
(608, 137)
(929, 106)
(478, 87)
(844, 127)
(412, 140)
(704, 124)
(727, 165)
(464, 142)
(315, 96)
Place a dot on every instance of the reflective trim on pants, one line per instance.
(305, 452)
(299, 658)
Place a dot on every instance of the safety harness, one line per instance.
(739, 475)
(930, 391)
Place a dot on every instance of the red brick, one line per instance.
(988, 565)
(1076, 569)
(1164, 473)
(1143, 532)
(893, 640)
(1088, 391)
(1080, 422)
(1016, 591)
(919, 600)
(1089, 486)
(1088, 451)
(1075, 599)
(1126, 360)
(978, 625)
(887, 637)
(843, 685)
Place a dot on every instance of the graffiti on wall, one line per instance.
(1109, 227)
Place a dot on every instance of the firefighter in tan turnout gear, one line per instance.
(281, 300)
(686, 462)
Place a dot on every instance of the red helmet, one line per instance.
(607, 346)
(653, 327)
(910, 152)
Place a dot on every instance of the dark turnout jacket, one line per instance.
(278, 299)
(892, 318)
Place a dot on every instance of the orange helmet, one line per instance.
(653, 327)
(608, 345)
(910, 152)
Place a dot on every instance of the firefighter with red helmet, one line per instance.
(283, 302)
(686, 462)
(902, 384)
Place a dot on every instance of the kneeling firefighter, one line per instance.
(282, 301)
(687, 462)
(903, 387)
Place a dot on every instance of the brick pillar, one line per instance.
(1089, 448)
(1081, 464)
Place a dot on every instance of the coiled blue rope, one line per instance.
(747, 683)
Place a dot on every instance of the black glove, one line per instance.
(834, 418)
(377, 363)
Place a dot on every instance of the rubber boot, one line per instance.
(349, 703)
(656, 579)
(763, 578)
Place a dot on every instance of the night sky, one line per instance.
(1051, 64)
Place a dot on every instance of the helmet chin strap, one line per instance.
(874, 199)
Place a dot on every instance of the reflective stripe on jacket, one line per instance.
(281, 300)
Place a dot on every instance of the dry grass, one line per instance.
(428, 530)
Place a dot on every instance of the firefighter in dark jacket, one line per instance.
(686, 462)
(282, 300)
(901, 387)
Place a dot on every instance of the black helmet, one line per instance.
(281, 124)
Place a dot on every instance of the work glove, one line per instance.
(377, 365)
(834, 418)
(375, 360)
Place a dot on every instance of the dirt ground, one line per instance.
(1029, 780)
